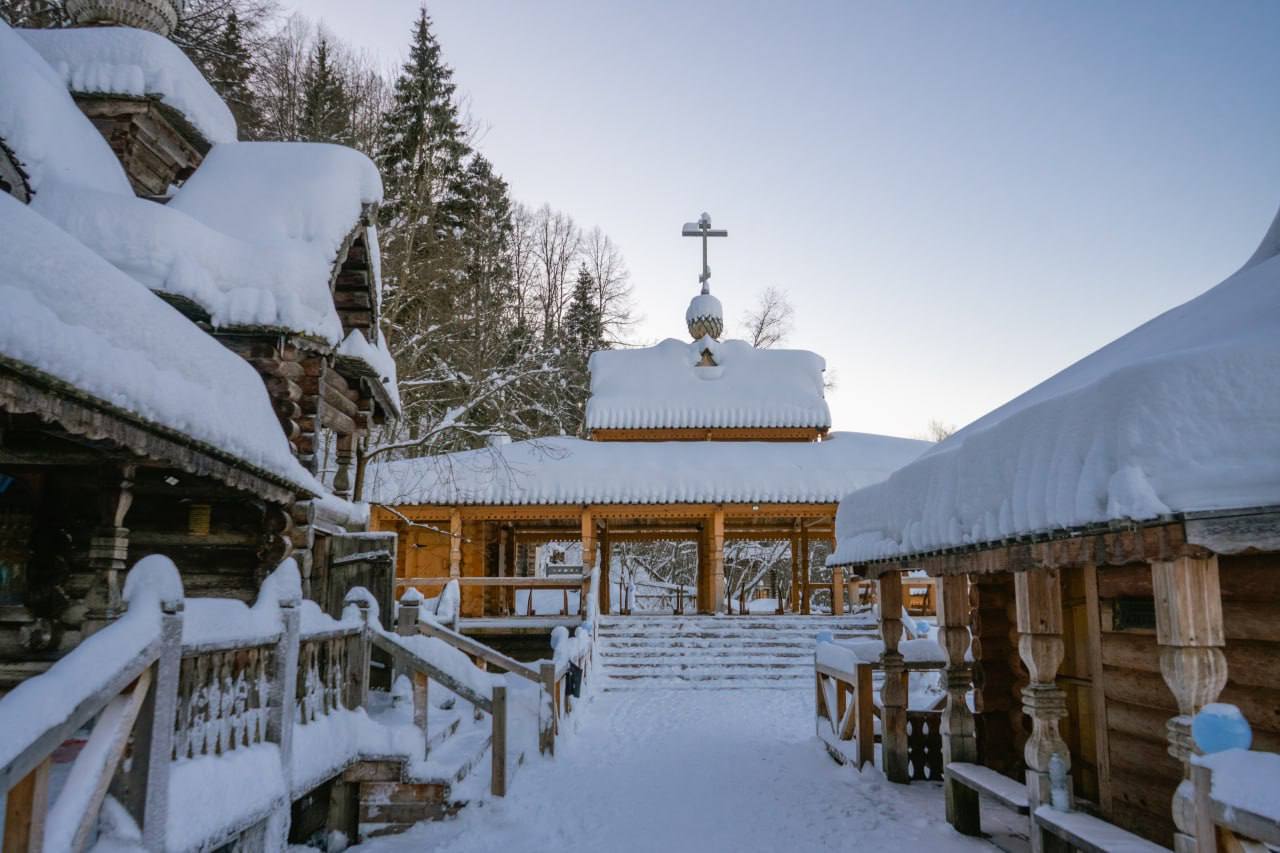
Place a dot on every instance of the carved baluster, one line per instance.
(1038, 594)
(893, 693)
(109, 548)
(1189, 631)
(959, 736)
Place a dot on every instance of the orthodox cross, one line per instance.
(702, 228)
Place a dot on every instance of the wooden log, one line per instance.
(499, 744)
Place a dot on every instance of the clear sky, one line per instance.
(961, 198)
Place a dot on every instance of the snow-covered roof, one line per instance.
(45, 130)
(1179, 415)
(136, 63)
(74, 318)
(377, 358)
(573, 471)
(663, 386)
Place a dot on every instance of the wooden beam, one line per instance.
(455, 544)
(1098, 698)
(715, 556)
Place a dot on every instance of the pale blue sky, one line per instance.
(960, 198)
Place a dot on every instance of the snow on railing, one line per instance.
(1233, 787)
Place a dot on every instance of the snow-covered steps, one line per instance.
(716, 652)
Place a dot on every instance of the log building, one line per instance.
(190, 354)
(702, 441)
(1107, 548)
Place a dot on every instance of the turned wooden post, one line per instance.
(1038, 595)
(1189, 633)
(893, 694)
(344, 455)
(109, 548)
(959, 735)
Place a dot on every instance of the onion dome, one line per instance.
(158, 16)
(705, 316)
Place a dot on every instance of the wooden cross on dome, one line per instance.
(702, 228)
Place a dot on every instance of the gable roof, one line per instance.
(1180, 415)
(558, 471)
(663, 387)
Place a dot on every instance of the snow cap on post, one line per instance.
(283, 586)
(154, 578)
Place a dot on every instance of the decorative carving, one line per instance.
(1039, 600)
(109, 547)
(1189, 631)
(158, 16)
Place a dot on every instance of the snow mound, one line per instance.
(43, 127)
(663, 387)
(1178, 415)
(135, 63)
(570, 470)
(72, 316)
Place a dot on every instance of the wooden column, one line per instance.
(588, 558)
(455, 544)
(1038, 594)
(806, 605)
(109, 548)
(795, 573)
(837, 591)
(959, 735)
(893, 695)
(508, 569)
(1189, 632)
(606, 559)
(715, 561)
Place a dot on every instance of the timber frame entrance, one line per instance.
(482, 541)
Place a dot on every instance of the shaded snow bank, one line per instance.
(570, 470)
(1178, 415)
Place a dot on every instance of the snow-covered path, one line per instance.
(685, 770)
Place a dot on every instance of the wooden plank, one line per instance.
(409, 659)
(1092, 835)
(1098, 697)
(52, 737)
(564, 582)
(479, 650)
(106, 747)
(989, 782)
(25, 809)
(498, 744)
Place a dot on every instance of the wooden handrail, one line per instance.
(476, 649)
(409, 659)
(566, 582)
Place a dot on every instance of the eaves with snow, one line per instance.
(667, 386)
(250, 241)
(560, 471)
(1180, 415)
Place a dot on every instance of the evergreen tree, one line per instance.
(583, 325)
(230, 69)
(326, 103)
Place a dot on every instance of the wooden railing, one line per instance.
(1222, 826)
(845, 700)
(507, 603)
(165, 704)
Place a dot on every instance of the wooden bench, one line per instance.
(1090, 834)
(965, 781)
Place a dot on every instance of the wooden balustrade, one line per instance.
(566, 584)
(223, 699)
(847, 710)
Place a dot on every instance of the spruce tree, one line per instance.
(229, 72)
(326, 102)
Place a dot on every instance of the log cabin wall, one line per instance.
(156, 146)
(998, 674)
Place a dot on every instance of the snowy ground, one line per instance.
(677, 770)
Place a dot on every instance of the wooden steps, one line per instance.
(716, 652)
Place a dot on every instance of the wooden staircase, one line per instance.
(717, 652)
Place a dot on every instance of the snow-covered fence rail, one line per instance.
(120, 680)
(507, 601)
(846, 709)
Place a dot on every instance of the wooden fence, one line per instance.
(166, 702)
